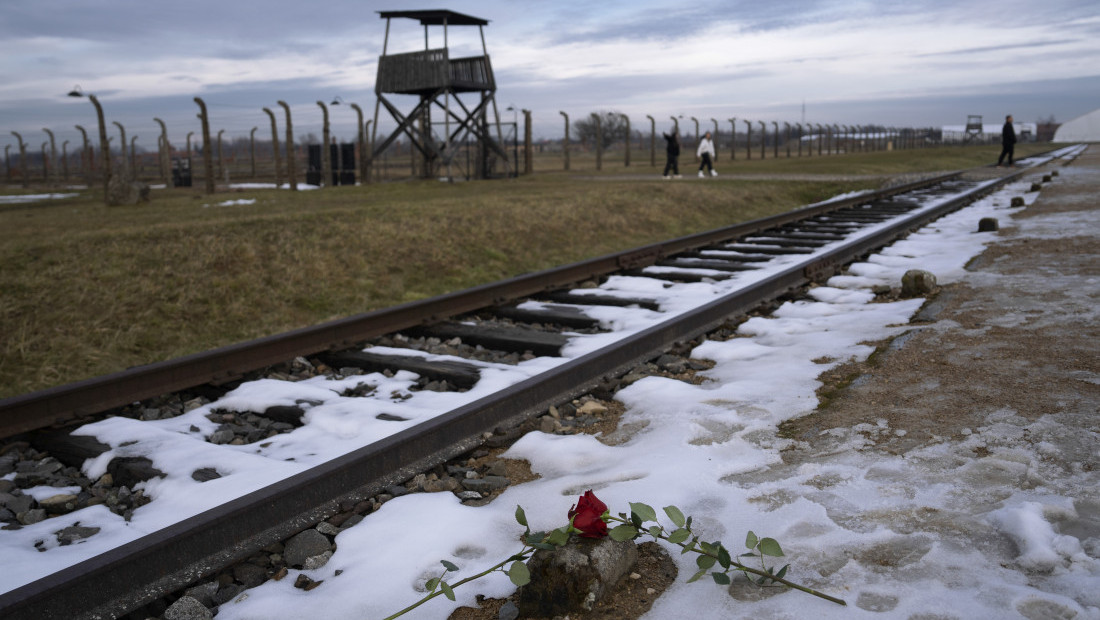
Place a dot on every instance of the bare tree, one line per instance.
(612, 125)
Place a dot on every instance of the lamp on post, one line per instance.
(104, 147)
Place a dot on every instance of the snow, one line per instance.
(710, 449)
(234, 203)
(22, 198)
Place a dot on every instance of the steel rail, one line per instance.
(125, 578)
(64, 404)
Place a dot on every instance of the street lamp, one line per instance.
(105, 154)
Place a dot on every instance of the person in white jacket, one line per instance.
(705, 151)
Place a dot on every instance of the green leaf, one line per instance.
(678, 536)
(519, 574)
(521, 518)
(636, 520)
(558, 537)
(750, 540)
(688, 524)
(655, 531)
(688, 547)
(542, 545)
(536, 537)
(698, 574)
(724, 557)
(770, 546)
(449, 566)
(721, 579)
(675, 515)
(431, 585)
(709, 548)
(783, 571)
(623, 532)
(704, 561)
(447, 591)
(644, 511)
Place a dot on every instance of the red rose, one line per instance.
(586, 516)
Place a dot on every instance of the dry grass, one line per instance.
(87, 290)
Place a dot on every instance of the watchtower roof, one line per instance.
(437, 17)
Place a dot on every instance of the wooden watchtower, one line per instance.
(973, 128)
(440, 83)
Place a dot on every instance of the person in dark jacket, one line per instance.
(672, 150)
(1008, 141)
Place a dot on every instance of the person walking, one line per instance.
(705, 152)
(1008, 141)
(672, 150)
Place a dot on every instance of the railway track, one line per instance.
(434, 379)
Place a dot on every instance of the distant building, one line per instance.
(1081, 129)
(991, 133)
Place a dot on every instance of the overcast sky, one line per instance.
(898, 63)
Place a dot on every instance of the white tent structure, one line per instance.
(1081, 129)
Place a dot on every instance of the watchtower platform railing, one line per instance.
(428, 71)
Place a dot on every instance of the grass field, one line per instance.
(86, 289)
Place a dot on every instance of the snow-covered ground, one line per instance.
(710, 449)
(24, 198)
